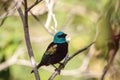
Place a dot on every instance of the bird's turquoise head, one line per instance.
(60, 37)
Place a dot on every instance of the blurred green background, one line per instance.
(83, 20)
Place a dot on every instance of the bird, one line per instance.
(56, 51)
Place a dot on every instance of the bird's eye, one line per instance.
(62, 36)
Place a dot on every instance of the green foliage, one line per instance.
(104, 31)
(5, 74)
(10, 38)
(104, 27)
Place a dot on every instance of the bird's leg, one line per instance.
(60, 67)
(54, 66)
(61, 64)
(56, 69)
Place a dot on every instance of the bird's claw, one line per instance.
(62, 65)
(58, 70)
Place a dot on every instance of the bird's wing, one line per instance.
(51, 49)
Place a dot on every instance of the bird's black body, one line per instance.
(57, 56)
(55, 52)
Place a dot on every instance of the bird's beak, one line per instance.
(64, 35)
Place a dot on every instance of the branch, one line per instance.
(68, 58)
(24, 18)
(7, 12)
(51, 15)
(113, 48)
(36, 2)
(84, 65)
(41, 23)
(79, 51)
(3, 20)
(28, 43)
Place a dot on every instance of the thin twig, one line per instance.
(113, 48)
(51, 15)
(41, 23)
(36, 2)
(49, 18)
(66, 61)
(8, 11)
(79, 51)
(3, 20)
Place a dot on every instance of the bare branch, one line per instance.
(41, 23)
(7, 12)
(24, 18)
(51, 15)
(36, 2)
(27, 38)
(3, 20)
(113, 48)
(79, 51)
(23, 62)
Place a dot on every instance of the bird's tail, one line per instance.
(38, 66)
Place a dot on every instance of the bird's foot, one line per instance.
(62, 65)
(58, 70)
